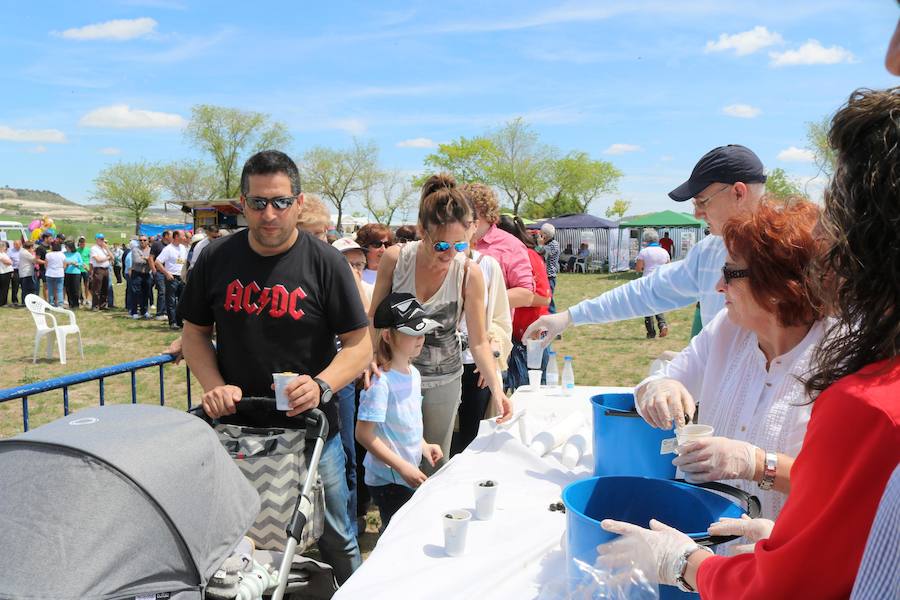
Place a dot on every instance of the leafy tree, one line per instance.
(189, 180)
(579, 180)
(388, 194)
(338, 175)
(817, 139)
(520, 167)
(230, 135)
(618, 209)
(469, 160)
(131, 186)
(781, 187)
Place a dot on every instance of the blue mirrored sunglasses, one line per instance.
(444, 246)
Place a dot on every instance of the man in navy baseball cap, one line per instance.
(725, 164)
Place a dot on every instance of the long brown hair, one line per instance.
(861, 269)
(443, 203)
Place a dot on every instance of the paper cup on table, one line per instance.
(534, 353)
(485, 498)
(456, 523)
(534, 379)
(689, 433)
(281, 380)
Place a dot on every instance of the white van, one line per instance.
(12, 230)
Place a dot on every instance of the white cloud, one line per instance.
(746, 42)
(621, 149)
(117, 30)
(122, 116)
(741, 111)
(420, 142)
(795, 154)
(666, 157)
(38, 149)
(350, 125)
(51, 136)
(110, 151)
(812, 53)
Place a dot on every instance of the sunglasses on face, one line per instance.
(259, 203)
(444, 246)
(378, 244)
(729, 274)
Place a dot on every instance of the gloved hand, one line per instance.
(716, 458)
(753, 530)
(666, 544)
(661, 400)
(553, 325)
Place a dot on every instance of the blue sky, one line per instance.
(650, 85)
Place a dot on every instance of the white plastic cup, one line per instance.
(281, 380)
(692, 432)
(535, 353)
(485, 498)
(534, 379)
(456, 523)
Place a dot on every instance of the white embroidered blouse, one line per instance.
(725, 371)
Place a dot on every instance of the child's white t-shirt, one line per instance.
(394, 403)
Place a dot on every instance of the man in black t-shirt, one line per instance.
(277, 298)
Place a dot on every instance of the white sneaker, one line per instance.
(146, 315)
(162, 318)
(135, 317)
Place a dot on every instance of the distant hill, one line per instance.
(45, 196)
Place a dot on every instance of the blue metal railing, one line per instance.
(23, 392)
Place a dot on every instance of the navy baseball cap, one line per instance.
(725, 164)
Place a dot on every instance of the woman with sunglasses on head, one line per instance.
(375, 239)
(448, 285)
(745, 368)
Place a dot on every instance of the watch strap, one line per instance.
(770, 465)
(681, 567)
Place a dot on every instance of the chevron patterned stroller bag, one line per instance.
(274, 460)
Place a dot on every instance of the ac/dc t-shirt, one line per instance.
(273, 313)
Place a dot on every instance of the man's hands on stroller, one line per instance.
(221, 400)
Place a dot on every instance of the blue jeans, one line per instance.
(55, 291)
(140, 292)
(390, 498)
(159, 280)
(346, 398)
(173, 293)
(338, 542)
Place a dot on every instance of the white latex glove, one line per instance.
(666, 544)
(549, 326)
(661, 400)
(752, 530)
(715, 459)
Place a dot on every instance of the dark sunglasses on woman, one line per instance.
(378, 244)
(729, 274)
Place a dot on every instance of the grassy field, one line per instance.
(610, 354)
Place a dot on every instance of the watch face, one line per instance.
(326, 396)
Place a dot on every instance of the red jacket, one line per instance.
(526, 315)
(852, 445)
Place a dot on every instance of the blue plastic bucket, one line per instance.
(624, 444)
(684, 506)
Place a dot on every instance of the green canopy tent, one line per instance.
(684, 229)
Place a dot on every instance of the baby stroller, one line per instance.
(131, 501)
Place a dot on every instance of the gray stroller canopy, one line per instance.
(118, 501)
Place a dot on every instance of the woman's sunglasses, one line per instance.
(729, 274)
(258, 203)
(444, 246)
(378, 244)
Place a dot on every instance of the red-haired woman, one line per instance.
(745, 367)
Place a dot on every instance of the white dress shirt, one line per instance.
(725, 372)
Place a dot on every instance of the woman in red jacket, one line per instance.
(852, 442)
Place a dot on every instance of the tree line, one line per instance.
(534, 179)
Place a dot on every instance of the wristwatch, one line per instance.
(768, 478)
(681, 566)
(325, 392)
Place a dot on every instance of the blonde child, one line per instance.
(389, 422)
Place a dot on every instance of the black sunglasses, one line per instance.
(729, 274)
(378, 244)
(259, 203)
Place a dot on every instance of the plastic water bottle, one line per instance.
(568, 377)
(552, 371)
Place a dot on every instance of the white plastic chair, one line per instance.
(46, 323)
(580, 265)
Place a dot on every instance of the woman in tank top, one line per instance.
(447, 285)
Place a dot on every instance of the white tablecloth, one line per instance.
(511, 556)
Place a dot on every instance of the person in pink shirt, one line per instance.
(507, 249)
